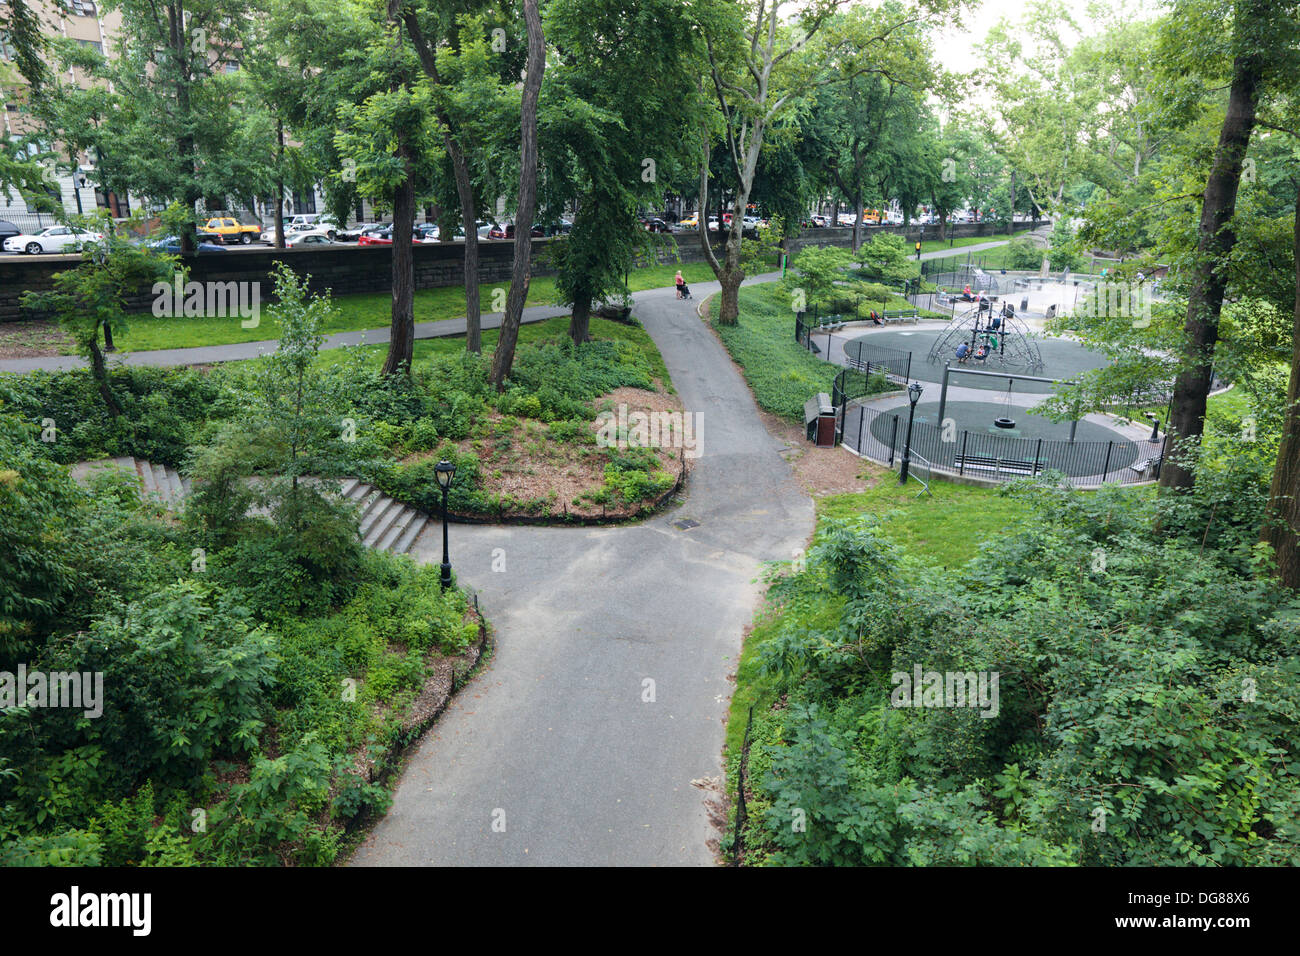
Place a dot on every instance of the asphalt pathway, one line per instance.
(557, 755)
(595, 734)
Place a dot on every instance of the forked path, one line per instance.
(555, 755)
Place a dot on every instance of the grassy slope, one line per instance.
(551, 329)
(781, 375)
(369, 311)
(944, 528)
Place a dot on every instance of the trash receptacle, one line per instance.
(819, 420)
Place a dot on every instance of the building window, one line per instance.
(82, 8)
(99, 47)
(7, 51)
(304, 204)
(117, 206)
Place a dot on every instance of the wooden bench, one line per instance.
(1013, 466)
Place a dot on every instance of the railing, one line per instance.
(879, 435)
(912, 461)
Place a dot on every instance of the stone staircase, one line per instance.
(386, 525)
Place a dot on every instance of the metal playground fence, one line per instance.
(879, 435)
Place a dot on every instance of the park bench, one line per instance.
(1013, 466)
(1147, 464)
(900, 315)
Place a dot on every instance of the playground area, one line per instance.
(978, 375)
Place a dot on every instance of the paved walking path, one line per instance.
(595, 734)
(557, 738)
(208, 354)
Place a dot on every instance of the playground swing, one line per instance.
(1006, 421)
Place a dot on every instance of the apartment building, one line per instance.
(87, 22)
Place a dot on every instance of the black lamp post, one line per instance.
(913, 396)
(446, 473)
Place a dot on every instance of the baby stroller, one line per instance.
(685, 290)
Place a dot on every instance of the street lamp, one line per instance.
(913, 396)
(445, 473)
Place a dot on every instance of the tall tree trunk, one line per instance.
(401, 342)
(1209, 278)
(464, 188)
(580, 321)
(469, 217)
(279, 184)
(503, 359)
(100, 374)
(1282, 522)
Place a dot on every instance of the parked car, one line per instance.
(208, 242)
(536, 231)
(353, 234)
(289, 230)
(497, 231)
(8, 230)
(232, 230)
(308, 237)
(384, 237)
(560, 227)
(53, 239)
(314, 220)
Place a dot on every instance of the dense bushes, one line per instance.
(1146, 705)
(1023, 253)
(231, 723)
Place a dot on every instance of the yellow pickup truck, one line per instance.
(232, 230)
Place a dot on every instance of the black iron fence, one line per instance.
(894, 364)
(879, 435)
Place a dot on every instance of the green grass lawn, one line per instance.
(369, 311)
(551, 329)
(780, 373)
(935, 245)
(943, 528)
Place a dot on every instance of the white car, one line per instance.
(54, 239)
(308, 237)
(291, 229)
(314, 220)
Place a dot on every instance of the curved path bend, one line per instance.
(555, 738)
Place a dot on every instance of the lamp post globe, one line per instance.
(913, 396)
(445, 472)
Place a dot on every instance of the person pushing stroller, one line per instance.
(683, 291)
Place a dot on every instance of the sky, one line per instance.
(955, 45)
